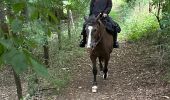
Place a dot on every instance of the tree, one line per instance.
(29, 24)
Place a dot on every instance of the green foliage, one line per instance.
(131, 3)
(39, 68)
(15, 58)
(29, 28)
(165, 21)
(138, 26)
(146, 25)
(19, 58)
(32, 84)
(18, 6)
(35, 32)
(22, 37)
(1, 53)
(16, 25)
(1, 49)
(78, 6)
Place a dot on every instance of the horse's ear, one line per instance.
(85, 18)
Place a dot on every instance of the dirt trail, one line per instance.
(134, 74)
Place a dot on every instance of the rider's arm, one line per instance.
(91, 7)
(109, 7)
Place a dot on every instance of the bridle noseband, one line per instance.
(100, 36)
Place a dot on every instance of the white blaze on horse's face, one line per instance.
(89, 40)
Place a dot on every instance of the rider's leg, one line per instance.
(83, 41)
(115, 43)
(117, 30)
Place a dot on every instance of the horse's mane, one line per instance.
(91, 19)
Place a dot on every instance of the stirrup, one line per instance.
(115, 45)
(82, 44)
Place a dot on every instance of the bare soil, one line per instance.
(135, 73)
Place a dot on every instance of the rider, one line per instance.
(104, 7)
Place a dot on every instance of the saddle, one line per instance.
(111, 26)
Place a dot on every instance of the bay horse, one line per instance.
(99, 44)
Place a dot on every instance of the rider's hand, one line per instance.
(104, 15)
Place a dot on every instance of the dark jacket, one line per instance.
(104, 6)
(100, 6)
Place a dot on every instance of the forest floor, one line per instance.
(135, 73)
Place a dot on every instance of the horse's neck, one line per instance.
(102, 30)
(105, 36)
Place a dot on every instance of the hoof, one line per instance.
(101, 73)
(94, 89)
(105, 76)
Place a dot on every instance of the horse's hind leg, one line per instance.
(100, 64)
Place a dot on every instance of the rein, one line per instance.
(98, 41)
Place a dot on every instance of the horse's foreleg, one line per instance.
(105, 70)
(94, 70)
(94, 73)
(94, 88)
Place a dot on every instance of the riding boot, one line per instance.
(83, 41)
(115, 43)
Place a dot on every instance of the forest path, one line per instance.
(134, 74)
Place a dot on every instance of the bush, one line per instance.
(139, 26)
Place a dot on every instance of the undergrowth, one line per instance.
(140, 25)
(135, 23)
(62, 61)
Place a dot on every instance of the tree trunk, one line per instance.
(3, 25)
(158, 14)
(68, 24)
(71, 19)
(59, 35)
(139, 6)
(46, 53)
(150, 6)
(60, 15)
(18, 85)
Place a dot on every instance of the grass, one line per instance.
(141, 25)
(135, 23)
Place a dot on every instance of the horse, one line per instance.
(99, 45)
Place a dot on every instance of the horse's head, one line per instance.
(92, 31)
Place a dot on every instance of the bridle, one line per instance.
(100, 37)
